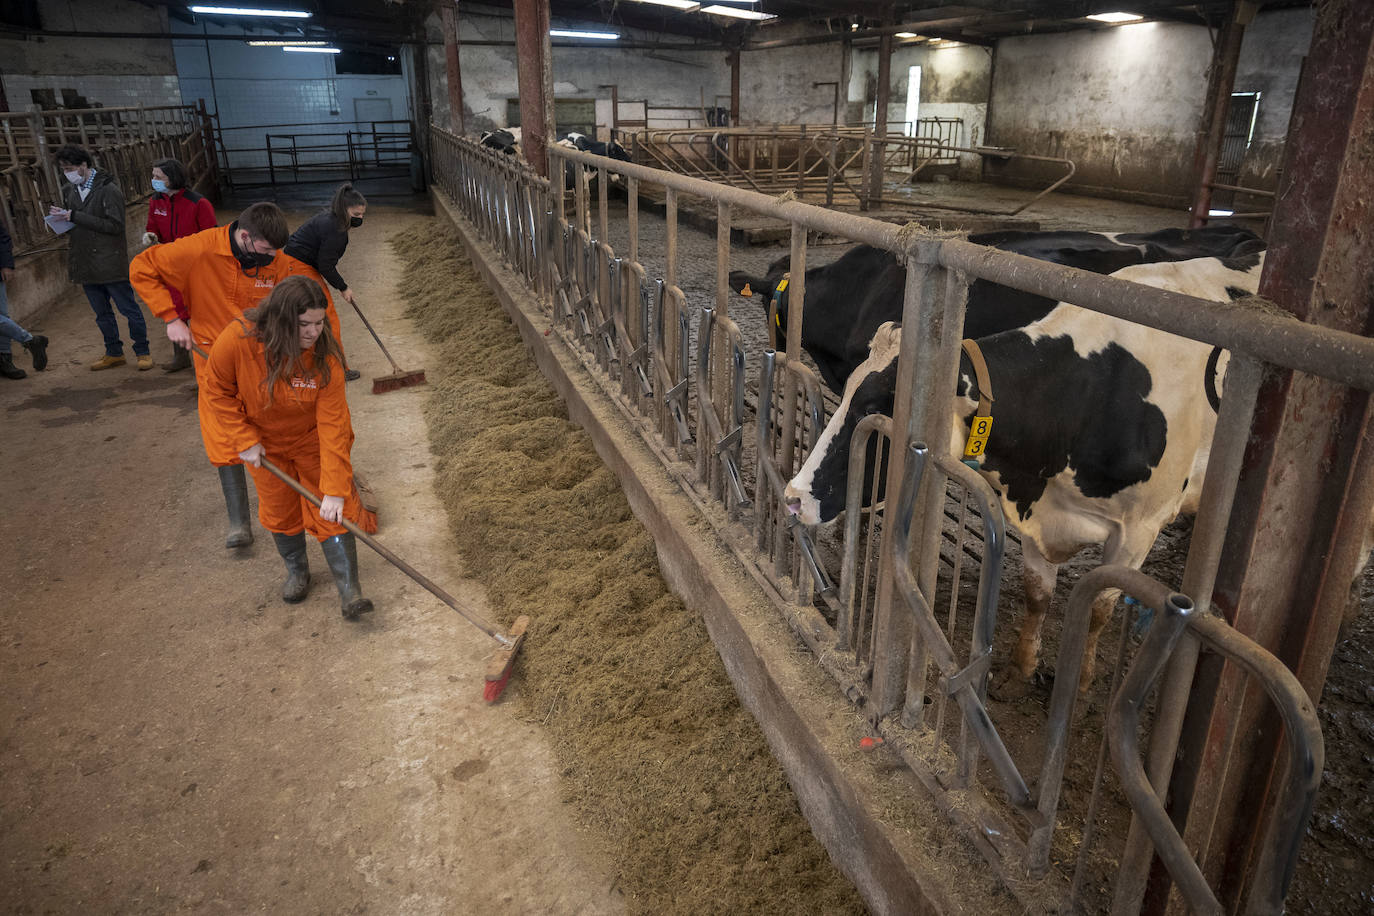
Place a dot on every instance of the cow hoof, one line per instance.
(1008, 684)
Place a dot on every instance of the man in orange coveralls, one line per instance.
(274, 387)
(220, 272)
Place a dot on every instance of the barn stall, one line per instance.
(731, 425)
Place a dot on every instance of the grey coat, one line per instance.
(99, 251)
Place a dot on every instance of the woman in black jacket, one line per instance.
(321, 241)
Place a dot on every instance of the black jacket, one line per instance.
(320, 243)
(6, 247)
(99, 252)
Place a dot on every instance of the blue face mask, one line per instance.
(159, 186)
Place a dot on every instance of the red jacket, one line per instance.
(176, 215)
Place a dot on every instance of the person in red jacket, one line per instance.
(275, 388)
(175, 211)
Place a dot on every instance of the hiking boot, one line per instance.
(292, 550)
(341, 553)
(351, 374)
(181, 359)
(234, 483)
(38, 350)
(107, 362)
(145, 362)
(8, 369)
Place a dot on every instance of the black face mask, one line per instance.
(355, 221)
(252, 260)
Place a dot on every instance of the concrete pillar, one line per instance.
(734, 88)
(455, 78)
(1306, 490)
(535, 72)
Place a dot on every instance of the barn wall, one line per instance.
(776, 84)
(955, 82)
(664, 78)
(112, 73)
(1270, 61)
(260, 86)
(1125, 103)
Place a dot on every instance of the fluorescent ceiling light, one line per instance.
(906, 35)
(1221, 212)
(718, 10)
(573, 33)
(282, 44)
(304, 50)
(243, 11)
(745, 2)
(687, 6)
(1115, 17)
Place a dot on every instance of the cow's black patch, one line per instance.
(847, 300)
(874, 394)
(1057, 410)
(1235, 292)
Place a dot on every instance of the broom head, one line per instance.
(397, 380)
(501, 662)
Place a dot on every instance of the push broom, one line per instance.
(399, 378)
(500, 662)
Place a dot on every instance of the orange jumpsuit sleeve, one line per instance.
(159, 267)
(227, 413)
(336, 436)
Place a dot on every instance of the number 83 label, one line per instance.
(978, 433)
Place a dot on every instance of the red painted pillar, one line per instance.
(1307, 488)
(535, 71)
(1222, 81)
(455, 77)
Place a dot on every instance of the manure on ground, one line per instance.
(658, 757)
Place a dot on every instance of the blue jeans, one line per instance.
(8, 329)
(122, 294)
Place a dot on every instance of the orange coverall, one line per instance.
(306, 431)
(295, 266)
(214, 290)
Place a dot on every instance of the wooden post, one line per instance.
(455, 77)
(1212, 130)
(1306, 488)
(534, 67)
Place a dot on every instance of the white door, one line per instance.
(365, 110)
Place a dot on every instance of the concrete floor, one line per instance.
(175, 738)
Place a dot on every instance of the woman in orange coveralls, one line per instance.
(275, 388)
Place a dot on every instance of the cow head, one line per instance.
(818, 491)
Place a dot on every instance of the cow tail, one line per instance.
(1209, 379)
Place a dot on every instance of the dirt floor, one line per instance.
(174, 738)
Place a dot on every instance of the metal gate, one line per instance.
(679, 370)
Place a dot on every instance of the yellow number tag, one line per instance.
(782, 287)
(777, 293)
(978, 433)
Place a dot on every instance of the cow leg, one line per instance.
(1123, 550)
(1037, 578)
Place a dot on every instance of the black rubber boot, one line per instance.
(292, 550)
(8, 369)
(341, 552)
(234, 483)
(38, 351)
(181, 359)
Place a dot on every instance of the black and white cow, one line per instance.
(587, 145)
(847, 300)
(503, 140)
(1100, 431)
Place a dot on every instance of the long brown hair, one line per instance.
(276, 322)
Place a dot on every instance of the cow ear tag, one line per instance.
(777, 297)
(980, 427)
(746, 292)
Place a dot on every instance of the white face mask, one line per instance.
(74, 177)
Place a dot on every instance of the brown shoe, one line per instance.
(145, 362)
(108, 362)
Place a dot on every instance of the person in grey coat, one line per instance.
(99, 257)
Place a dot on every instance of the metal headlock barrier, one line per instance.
(123, 141)
(682, 373)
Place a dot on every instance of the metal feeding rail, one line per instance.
(882, 640)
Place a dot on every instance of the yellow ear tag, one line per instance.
(978, 433)
(746, 292)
